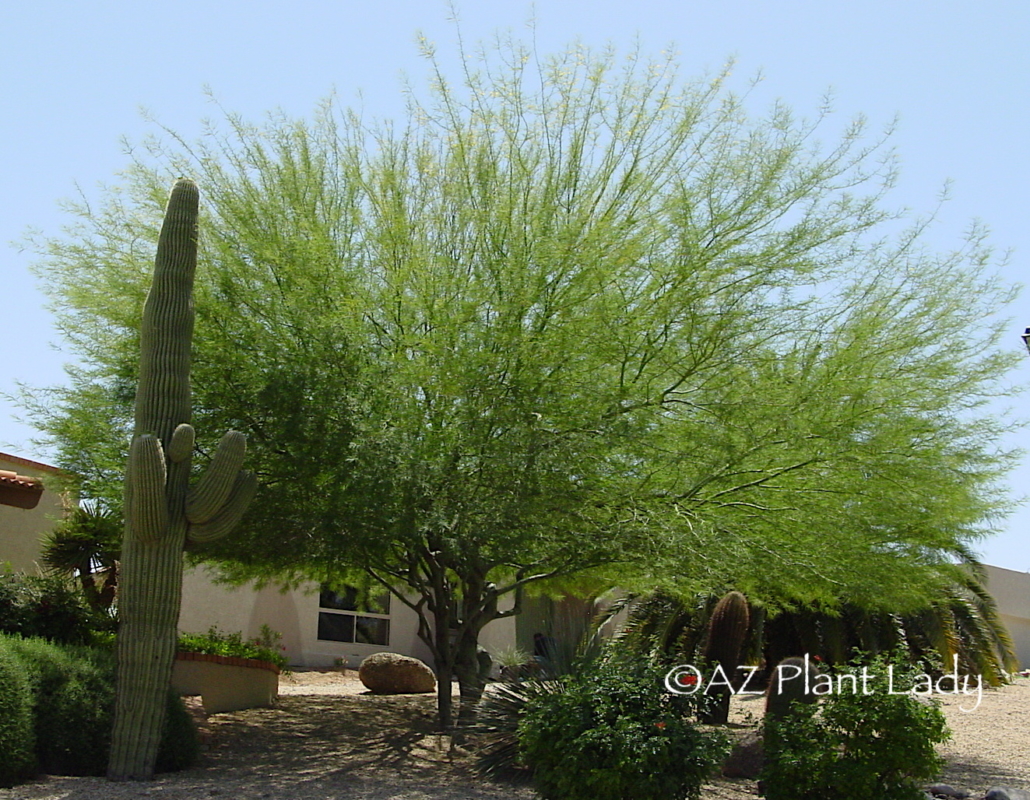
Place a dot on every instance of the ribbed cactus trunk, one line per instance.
(727, 632)
(161, 510)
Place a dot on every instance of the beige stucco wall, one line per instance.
(295, 615)
(23, 529)
(1011, 591)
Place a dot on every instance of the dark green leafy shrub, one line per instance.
(16, 735)
(70, 696)
(877, 745)
(218, 643)
(49, 607)
(495, 735)
(616, 733)
(73, 694)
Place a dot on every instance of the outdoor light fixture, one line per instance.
(1026, 338)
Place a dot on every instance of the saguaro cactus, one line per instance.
(161, 509)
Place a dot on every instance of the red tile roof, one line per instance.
(26, 462)
(19, 491)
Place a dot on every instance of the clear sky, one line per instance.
(74, 77)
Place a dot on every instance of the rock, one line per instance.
(746, 758)
(392, 673)
(944, 790)
(1006, 793)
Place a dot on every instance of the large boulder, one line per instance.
(392, 673)
(1006, 793)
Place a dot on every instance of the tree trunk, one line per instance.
(444, 675)
(471, 676)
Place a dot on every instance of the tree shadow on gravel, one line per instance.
(342, 733)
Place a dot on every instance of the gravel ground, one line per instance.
(327, 739)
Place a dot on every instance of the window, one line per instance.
(352, 615)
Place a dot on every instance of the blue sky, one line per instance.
(74, 77)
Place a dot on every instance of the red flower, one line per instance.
(687, 680)
(660, 726)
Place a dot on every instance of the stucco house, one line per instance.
(28, 510)
(322, 627)
(1011, 591)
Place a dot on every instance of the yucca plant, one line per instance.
(87, 544)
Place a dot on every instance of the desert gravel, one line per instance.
(328, 740)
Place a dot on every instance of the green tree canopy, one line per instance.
(570, 314)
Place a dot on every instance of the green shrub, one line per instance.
(878, 746)
(615, 733)
(217, 643)
(70, 692)
(73, 694)
(16, 734)
(49, 607)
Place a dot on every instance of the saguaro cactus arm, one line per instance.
(212, 490)
(146, 508)
(181, 446)
(229, 513)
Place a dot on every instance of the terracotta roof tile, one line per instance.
(20, 491)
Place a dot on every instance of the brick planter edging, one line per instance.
(232, 661)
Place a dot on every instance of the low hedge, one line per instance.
(17, 740)
(70, 694)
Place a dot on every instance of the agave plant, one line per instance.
(495, 732)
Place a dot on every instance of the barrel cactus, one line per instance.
(727, 632)
(792, 681)
(162, 509)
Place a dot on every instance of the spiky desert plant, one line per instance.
(162, 510)
(727, 633)
(87, 544)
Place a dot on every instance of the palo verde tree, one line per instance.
(570, 313)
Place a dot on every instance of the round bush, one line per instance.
(16, 735)
(49, 607)
(878, 746)
(71, 693)
(615, 733)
